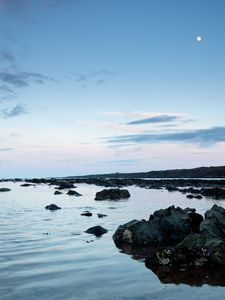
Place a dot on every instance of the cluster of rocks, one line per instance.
(214, 192)
(181, 237)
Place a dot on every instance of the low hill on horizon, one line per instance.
(201, 172)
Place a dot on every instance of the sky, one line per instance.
(102, 86)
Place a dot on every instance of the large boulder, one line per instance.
(167, 226)
(112, 194)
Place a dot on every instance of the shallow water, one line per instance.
(47, 255)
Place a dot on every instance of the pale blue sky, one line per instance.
(97, 86)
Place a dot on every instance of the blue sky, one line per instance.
(98, 86)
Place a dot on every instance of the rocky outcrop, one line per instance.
(97, 230)
(182, 238)
(165, 226)
(112, 194)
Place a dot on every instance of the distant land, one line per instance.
(201, 172)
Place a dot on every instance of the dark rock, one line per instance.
(65, 185)
(167, 226)
(112, 194)
(101, 215)
(97, 230)
(214, 224)
(5, 190)
(217, 193)
(52, 207)
(198, 197)
(86, 213)
(73, 193)
(26, 184)
(57, 193)
(190, 196)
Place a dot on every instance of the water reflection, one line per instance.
(193, 276)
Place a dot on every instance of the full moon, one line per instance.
(199, 38)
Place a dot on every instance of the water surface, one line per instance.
(47, 255)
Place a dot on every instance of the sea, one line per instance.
(48, 255)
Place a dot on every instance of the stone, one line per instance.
(97, 230)
(5, 190)
(112, 194)
(102, 215)
(57, 193)
(73, 193)
(52, 207)
(86, 213)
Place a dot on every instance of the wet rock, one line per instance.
(52, 207)
(112, 194)
(57, 193)
(65, 185)
(190, 196)
(27, 184)
(86, 213)
(5, 190)
(217, 193)
(167, 226)
(102, 215)
(214, 224)
(97, 230)
(73, 193)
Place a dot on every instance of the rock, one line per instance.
(65, 185)
(86, 213)
(57, 193)
(73, 193)
(26, 184)
(112, 194)
(198, 197)
(52, 207)
(190, 196)
(217, 193)
(5, 190)
(101, 215)
(165, 226)
(214, 224)
(97, 230)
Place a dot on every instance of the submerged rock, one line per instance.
(5, 190)
(86, 213)
(57, 193)
(102, 215)
(112, 194)
(52, 207)
(73, 193)
(97, 230)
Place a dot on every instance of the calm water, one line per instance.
(47, 255)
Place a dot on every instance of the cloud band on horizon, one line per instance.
(206, 136)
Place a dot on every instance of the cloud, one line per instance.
(99, 77)
(156, 119)
(7, 56)
(198, 136)
(16, 79)
(121, 161)
(17, 110)
(5, 149)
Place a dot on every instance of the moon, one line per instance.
(199, 38)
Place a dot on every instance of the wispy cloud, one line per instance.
(156, 119)
(7, 56)
(98, 77)
(198, 136)
(5, 149)
(15, 79)
(15, 111)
